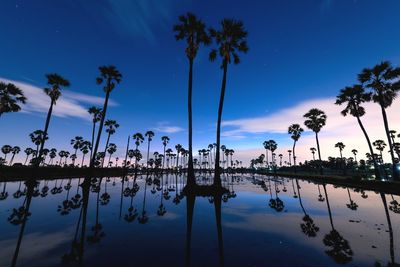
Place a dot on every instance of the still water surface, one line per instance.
(265, 221)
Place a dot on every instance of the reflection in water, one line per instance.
(156, 199)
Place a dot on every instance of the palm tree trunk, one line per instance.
(11, 160)
(103, 115)
(191, 176)
(217, 206)
(46, 127)
(294, 156)
(266, 154)
(329, 207)
(83, 159)
(26, 159)
(93, 132)
(390, 228)
(385, 121)
(105, 149)
(319, 153)
(217, 180)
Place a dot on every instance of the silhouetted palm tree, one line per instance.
(315, 120)
(15, 150)
(231, 39)
(112, 148)
(38, 137)
(52, 154)
(85, 148)
(96, 117)
(111, 126)
(313, 150)
(6, 149)
(165, 141)
(149, 135)
(266, 146)
(384, 81)
(192, 30)
(56, 82)
(380, 146)
(76, 144)
(354, 151)
(10, 98)
(28, 151)
(341, 146)
(178, 148)
(295, 130)
(109, 76)
(354, 97)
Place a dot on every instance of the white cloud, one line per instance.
(164, 127)
(338, 128)
(70, 104)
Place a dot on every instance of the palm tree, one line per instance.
(109, 76)
(341, 146)
(52, 154)
(6, 149)
(380, 146)
(315, 120)
(96, 117)
(178, 148)
(354, 97)
(76, 143)
(111, 149)
(313, 150)
(295, 130)
(192, 30)
(85, 148)
(354, 151)
(290, 156)
(38, 137)
(56, 82)
(266, 146)
(15, 150)
(384, 81)
(165, 140)
(149, 135)
(10, 95)
(111, 125)
(231, 39)
(28, 151)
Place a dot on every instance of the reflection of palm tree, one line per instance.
(393, 263)
(21, 215)
(340, 250)
(143, 218)
(97, 229)
(308, 226)
(352, 205)
(4, 194)
(394, 205)
(320, 197)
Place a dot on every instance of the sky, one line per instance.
(301, 54)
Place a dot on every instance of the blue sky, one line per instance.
(299, 51)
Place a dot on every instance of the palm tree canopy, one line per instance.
(110, 76)
(111, 125)
(295, 130)
(315, 119)
(6, 149)
(56, 82)
(383, 80)
(112, 148)
(77, 142)
(231, 39)
(165, 140)
(379, 144)
(353, 97)
(10, 95)
(96, 113)
(38, 137)
(138, 137)
(193, 30)
(340, 145)
(149, 135)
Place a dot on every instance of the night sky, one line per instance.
(301, 54)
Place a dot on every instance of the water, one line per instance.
(278, 222)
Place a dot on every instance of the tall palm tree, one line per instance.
(10, 97)
(96, 117)
(85, 148)
(295, 130)
(380, 146)
(290, 156)
(165, 141)
(341, 146)
(266, 146)
(384, 82)
(56, 82)
(109, 77)
(149, 135)
(52, 154)
(111, 149)
(15, 150)
(354, 151)
(138, 137)
(354, 97)
(192, 30)
(38, 137)
(76, 143)
(231, 39)
(111, 125)
(313, 150)
(6, 149)
(315, 120)
(28, 151)
(178, 148)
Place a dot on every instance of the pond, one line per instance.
(261, 221)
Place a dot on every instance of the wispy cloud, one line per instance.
(164, 127)
(338, 128)
(138, 18)
(70, 104)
